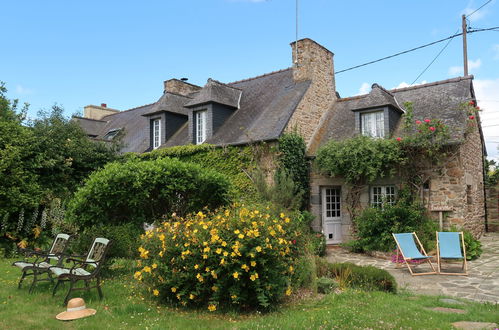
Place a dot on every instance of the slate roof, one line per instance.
(92, 127)
(217, 92)
(170, 102)
(378, 97)
(437, 100)
(132, 123)
(267, 104)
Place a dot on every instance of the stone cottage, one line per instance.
(304, 97)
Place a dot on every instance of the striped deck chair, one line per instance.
(406, 245)
(451, 246)
(42, 261)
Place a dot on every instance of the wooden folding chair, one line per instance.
(407, 247)
(450, 246)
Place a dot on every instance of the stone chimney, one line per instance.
(312, 62)
(97, 112)
(177, 86)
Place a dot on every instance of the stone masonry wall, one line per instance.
(180, 87)
(493, 208)
(315, 63)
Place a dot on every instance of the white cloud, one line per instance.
(20, 90)
(403, 84)
(365, 88)
(487, 99)
(478, 15)
(496, 51)
(458, 70)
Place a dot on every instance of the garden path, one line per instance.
(482, 283)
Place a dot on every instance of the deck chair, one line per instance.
(450, 246)
(85, 270)
(407, 247)
(43, 260)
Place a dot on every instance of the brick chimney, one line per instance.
(177, 86)
(312, 62)
(97, 112)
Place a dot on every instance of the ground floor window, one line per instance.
(381, 195)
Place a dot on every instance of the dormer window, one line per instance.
(156, 133)
(200, 118)
(111, 134)
(372, 124)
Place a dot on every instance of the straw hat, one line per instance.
(76, 310)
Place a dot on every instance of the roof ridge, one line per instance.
(434, 83)
(141, 106)
(80, 117)
(341, 99)
(172, 93)
(382, 88)
(224, 84)
(260, 76)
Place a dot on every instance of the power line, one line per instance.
(495, 29)
(435, 58)
(479, 8)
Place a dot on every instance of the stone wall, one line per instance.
(493, 208)
(97, 112)
(180, 87)
(314, 63)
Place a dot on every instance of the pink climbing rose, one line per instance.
(432, 128)
(418, 122)
(399, 139)
(426, 120)
(472, 117)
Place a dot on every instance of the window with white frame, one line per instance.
(200, 128)
(372, 124)
(381, 195)
(156, 133)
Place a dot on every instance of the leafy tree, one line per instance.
(65, 154)
(491, 173)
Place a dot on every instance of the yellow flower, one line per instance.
(222, 261)
(215, 276)
(147, 269)
(241, 236)
(236, 275)
(286, 220)
(218, 251)
(154, 266)
(174, 289)
(206, 249)
(160, 253)
(207, 269)
(37, 231)
(253, 263)
(200, 277)
(226, 253)
(233, 296)
(212, 308)
(288, 291)
(258, 249)
(224, 243)
(178, 296)
(137, 275)
(214, 288)
(254, 277)
(282, 215)
(200, 214)
(236, 231)
(155, 292)
(291, 269)
(196, 266)
(245, 267)
(191, 296)
(205, 256)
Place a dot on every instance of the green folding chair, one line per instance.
(406, 245)
(451, 246)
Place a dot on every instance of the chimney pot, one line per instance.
(104, 105)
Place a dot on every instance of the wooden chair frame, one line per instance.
(465, 265)
(407, 260)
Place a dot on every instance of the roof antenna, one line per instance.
(296, 35)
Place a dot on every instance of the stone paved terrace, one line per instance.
(482, 283)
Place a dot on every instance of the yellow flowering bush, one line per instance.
(236, 256)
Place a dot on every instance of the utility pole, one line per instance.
(465, 47)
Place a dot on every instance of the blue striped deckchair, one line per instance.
(449, 247)
(409, 250)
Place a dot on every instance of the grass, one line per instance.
(124, 308)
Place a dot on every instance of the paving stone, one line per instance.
(451, 301)
(448, 310)
(474, 325)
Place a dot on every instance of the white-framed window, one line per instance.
(372, 124)
(382, 195)
(200, 128)
(156, 133)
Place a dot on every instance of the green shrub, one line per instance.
(367, 278)
(376, 225)
(305, 275)
(237, 256)
(326, 285)
(473, 246)
(125, 239)
(143, 191)
(282, 191)
(317, 244)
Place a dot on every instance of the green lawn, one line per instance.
(122, 308)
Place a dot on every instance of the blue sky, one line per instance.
(119, 52)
